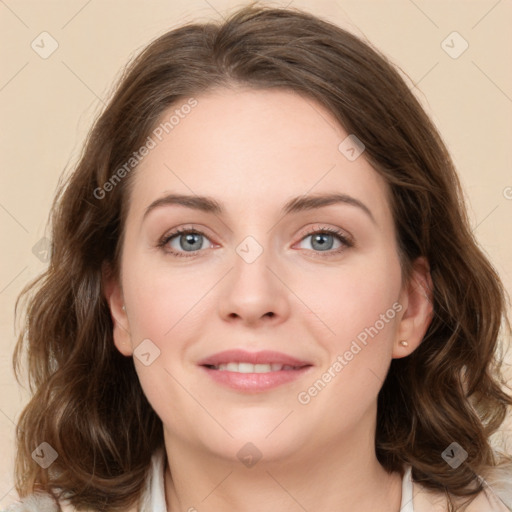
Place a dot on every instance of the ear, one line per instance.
(114, 296)
(416, 298)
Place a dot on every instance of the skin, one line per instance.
(253, 151)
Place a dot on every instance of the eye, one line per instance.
(187, 242)
(323, 240)
(182, 241)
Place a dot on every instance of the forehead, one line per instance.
(247, 146)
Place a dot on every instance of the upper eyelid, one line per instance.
(342, 234)
(183, 230)
(333, 231)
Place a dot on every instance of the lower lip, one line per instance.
(255, 381)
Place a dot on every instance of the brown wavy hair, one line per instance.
(87, 401)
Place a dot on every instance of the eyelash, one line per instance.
(342, 237)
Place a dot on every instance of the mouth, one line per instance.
(253, 368)
(253, 371)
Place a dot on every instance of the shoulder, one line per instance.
(37, 502)
(497, 482)
(496, 495)
(43, 502)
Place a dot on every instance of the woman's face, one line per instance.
(267, 267)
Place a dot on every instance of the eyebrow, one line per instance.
(295, 205)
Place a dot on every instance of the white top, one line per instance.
(157, 489)
(153, 496)
(406, 505)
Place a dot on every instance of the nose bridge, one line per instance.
(252, 289)
(252, 262)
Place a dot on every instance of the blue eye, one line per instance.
(190, 241)
(324, 240)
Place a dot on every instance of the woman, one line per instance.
(263, 293)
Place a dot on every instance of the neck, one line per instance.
(341, 476)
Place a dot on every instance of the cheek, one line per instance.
(165, 311)
(162, 300)
(363, 314)
(357, 302)
(173, 405)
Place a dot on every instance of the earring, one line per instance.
(404, 343)
(123, 308)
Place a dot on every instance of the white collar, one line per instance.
(154, 500)
(406, 504)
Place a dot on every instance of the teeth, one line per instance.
(246, 368)
(252, 368)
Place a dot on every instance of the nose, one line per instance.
(254, 292)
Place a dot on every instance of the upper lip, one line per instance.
(261, 357)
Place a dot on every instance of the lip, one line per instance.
(261, 357)
(254, 382)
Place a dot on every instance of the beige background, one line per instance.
(47, 106)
